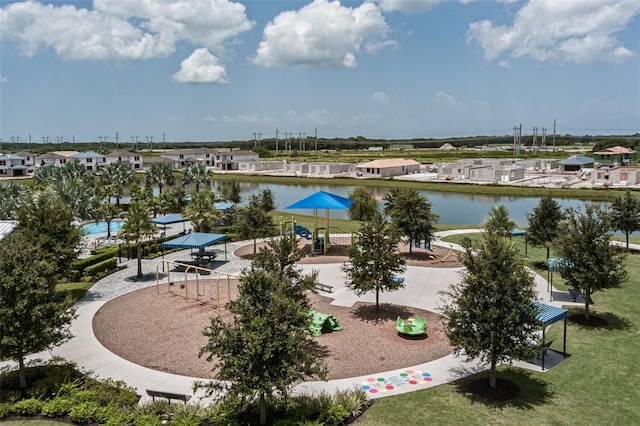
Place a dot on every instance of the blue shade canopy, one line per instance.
(169, 219)
(518, 232)
(195, 240)
(322, 200)
(550, 314)
(555, 263)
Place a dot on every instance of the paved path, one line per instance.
(421, 291)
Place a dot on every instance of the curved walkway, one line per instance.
(422, 291)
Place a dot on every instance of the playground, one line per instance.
(164, 325)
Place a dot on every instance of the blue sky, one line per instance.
(218, 70)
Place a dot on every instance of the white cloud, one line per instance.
(201, 67)
(445, 99)
(407, 6)
(121, 30)
(548, 30)
(504, 64)
(380, 97)
(3, 79)
(323, 33)
(239, 119)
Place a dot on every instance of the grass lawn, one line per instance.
(75, 289)
(33, 423)
(599, 383)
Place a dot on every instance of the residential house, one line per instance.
(388, 167)
(616, 156)
(91, 160)
(30, 159)
(576, 163)
(52, 159)
(622, 175)
(229, 160)
(13, 165)
(132, 158)
(188, 157)
(148, 161)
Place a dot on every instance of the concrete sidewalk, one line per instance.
(422, 287)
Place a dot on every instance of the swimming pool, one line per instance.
(101, 227)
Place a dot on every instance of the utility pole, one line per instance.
(544, 138)
(534, 141)
(164, 142)
(316, 139)
(276, 142)
(117, 142)
(554, 135)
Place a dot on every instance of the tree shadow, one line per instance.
(386, 312)
(598, 320)
(514, 388)
(422, 336)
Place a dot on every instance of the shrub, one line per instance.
(57, 407)
(84, 412)
(5, 410)
(119, 419)
(81, 264)
(186, 419)
(104, 413)
(104, 266)
(147, 420)
(108, 390)
(27, 407)
(334, 414)
(354, 401)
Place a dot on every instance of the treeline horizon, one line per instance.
(310, 143)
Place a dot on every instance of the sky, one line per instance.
(222, 70)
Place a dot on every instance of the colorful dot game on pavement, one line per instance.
(389, 384)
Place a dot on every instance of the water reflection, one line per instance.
(453, 208)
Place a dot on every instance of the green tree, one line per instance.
(201, 211)
(253, 222)
(12, 195)
(592, 262)
(119, 175)
(79, 195)
(108, 212)
(160, 174)
(498, 222)
(375, 260)
(489, 313)
(544, 223)
(196, 173)
(47, 222)
(364, 205)
(137, 226)
(410, 214)
(625, 214)
(265, 200)
(32, 316)
(266, 348)
(231, 193)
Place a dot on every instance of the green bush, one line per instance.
(119, 419)
(334, 414)
(43, 379)
(147, 420)
(81, 264)
(28, 407)
(5, 410)
(108, 390)
(57, 407)
(84, 412)
(104, 266)
(186, 419)
(104, 413)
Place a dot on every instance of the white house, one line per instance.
(229, 160)
(187, 157)
(388, 167)
(132, 158)
(13, 165)
(91, 160)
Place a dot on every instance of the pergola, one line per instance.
(169, 219)
(549, 315)
(197, 240)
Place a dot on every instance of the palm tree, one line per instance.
(196, 173)
(79, 195)
(201, 211)
(161, 174)
(12, 196)
(108, 212)
(119, 175)
(136, 227)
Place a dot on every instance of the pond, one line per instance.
(453, 208)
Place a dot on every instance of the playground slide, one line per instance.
(302, 231)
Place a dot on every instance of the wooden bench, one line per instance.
(168, 395)
(325, 287)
